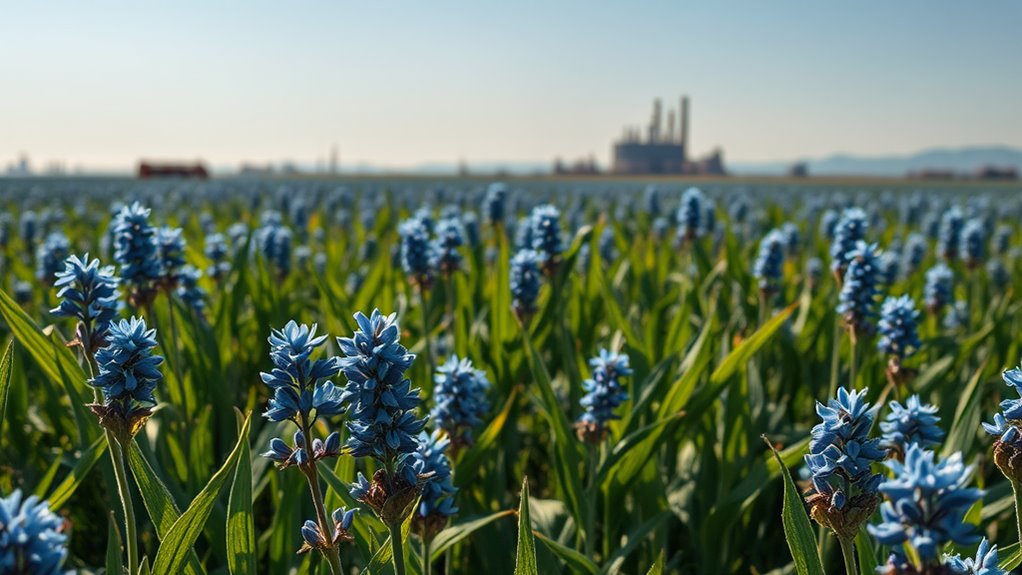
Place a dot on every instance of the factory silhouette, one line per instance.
(657, 151)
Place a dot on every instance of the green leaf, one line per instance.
(241, 543)
(462, 529)
(176, 546)
(1012, 557)
(525, 560)
(797, 529)
(55, 359)
(5, 381)
(114, 559)
(866, 552)
(741, 355)
(79, 472)
(658, 566)
(162, 509)
(576, 562)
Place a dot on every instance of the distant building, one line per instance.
(147, 170)
(581, 167)
(996, 173)
(798, 170)
(661, 152)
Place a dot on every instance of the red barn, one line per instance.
(148, 170)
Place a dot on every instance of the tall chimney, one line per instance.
(683, 128)
(670, 126)
(654, 123)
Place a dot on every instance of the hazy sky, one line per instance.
(405, 82)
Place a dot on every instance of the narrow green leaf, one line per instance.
(1012, 557)
(114, 559)
(741, 355)
(525, 560)
(866, 552)
(797, 529)
(658, 566)
(67, 487)
(175, 547)
(5, 381)
(575, 561)
(241, 544)
(462, 529)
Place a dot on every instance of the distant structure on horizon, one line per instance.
(663, 151)
(148, 170)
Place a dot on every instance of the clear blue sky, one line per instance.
(405, 82)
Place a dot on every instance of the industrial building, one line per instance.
(663, 151)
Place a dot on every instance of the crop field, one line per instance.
(420, 376)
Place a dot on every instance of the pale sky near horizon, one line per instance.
(400, 83)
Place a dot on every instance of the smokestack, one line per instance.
(670, 126)
(655, 123)
(683, 128)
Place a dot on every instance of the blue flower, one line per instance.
(189, 290)
(1006, 424)
(274, 241)
(22, 292)
(545, 223)
(769, 262)
(50, 256)
(914, 252)
(1002, 239)
(949, 235)
(494, 203)
(651, 199)
(297, 381)
(690, 215)
(849, 230)
(926, 503)
(974, 237)
(136, 251)
(416, 250)
(938, 289)
(382, 421)
(857, 299)
(460, 398)
(999, 276)
(217, 252)
(828, 223)
(32, 538)
(128, 370)
(898, 331)
(87, 292)
(431, 462)
(814, 270)
(985, 562)
(525, 281)
(889, 267)
(28, 227)
(792, 238)
(171, 249)
(444, 255)
(604, 393)
(915, 422)
(958, 316)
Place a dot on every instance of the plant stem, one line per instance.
(427, 562)
(835, 358)
(848, 550)
(592, 492)
(425, 330)
(1016, 489)
(397, 548)
(117, 451)
(325, 527)
(852, 367)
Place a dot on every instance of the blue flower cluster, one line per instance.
(50, 256)
(32, 538)
(957, 316)
(87, 292)
(1007, 425)
(314, 538)
(914, 252)
(974, 238)
(298, 383)
(170, 246)
(985, 562)
(769, 263)
(135, 250)
(915, 422)
(938, 289)
(604, 393)
(128, 370)
(690, 215)
(898, 327)
(494, 205)
(189, 290)
(416, 250)
(274, 241)
(857, 299)
(431, 462)
(843, 492)
(444, 255)
(217, 252)
(460, 397)
(545, 233)
(926, 503)
(849, 230)
(382, 404)
(949, 235)
(525, 281)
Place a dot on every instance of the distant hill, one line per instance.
(956, 159)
